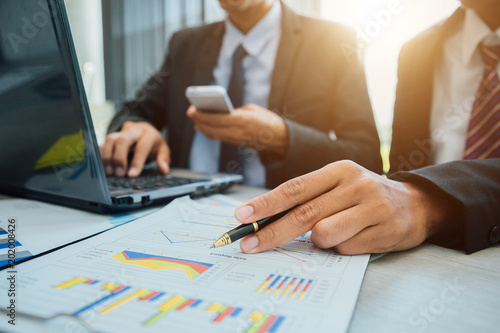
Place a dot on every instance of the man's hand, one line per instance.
(147, 142)
(250, 126)
(347, 208)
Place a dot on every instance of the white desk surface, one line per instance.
(425, 289)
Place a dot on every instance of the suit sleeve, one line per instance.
(349, 131)
(150, 102)
(475, 186)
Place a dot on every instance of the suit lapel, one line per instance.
(287, 50)
(412, 110)
(208, 54)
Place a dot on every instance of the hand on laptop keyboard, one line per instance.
(147, 141)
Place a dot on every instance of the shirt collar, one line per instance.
(256, 39)
(475, 32)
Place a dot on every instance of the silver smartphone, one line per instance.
(209, 99)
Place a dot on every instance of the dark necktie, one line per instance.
(231, 160)
(483, 134)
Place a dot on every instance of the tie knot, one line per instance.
(490, 55)
(239, 54)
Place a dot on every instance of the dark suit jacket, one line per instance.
(318, 86)
(411, 143)
(475, 185)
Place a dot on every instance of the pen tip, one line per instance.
(211, 247)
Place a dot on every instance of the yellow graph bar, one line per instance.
(166, 307)
(305, 290)
(138, 293)
(288, 287)
(109, 286)
(214, 307)
(256, 316)
(259, 319)
(171, 303)
(263, 285)
(147, 294)
(71, 283)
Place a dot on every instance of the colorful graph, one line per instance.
(298, 254)
(74, 282)
(5, 259)
(192, 268)
(115, 295)
(114, 291)
(279, 285)
(175, 238)
(223, 311)
(263, 323)
(176, 303)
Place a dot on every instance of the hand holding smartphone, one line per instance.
(209, 99)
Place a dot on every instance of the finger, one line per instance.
(214, 119)
(374, 239)
(249, 107)
(231, 135)
(295, 191)
(338, 228)
(107, 152)
(191, 110)
(269, 237)
(142, 150)
(301, 219)
(120, 153)
(163, 158)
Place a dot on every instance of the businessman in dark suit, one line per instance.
(445, 185)
(438, 77)
(309, 105)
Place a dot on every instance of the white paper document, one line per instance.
(41, 227)
(158, 274)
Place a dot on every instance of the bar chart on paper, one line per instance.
(285, 286)
(160, 275)
(120, 307)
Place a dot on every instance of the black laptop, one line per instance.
(48, 148)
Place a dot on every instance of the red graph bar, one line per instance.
(149, 296)
(269, 322)
(186, 304)
(224, 314)
(117, 289)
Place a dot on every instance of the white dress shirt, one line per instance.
(261, 43)
(456, 80)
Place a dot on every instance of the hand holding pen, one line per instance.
(247, 229)
(348, 208)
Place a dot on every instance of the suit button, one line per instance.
(495, 234)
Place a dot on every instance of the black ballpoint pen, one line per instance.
(247, 229)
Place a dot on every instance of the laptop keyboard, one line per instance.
(149, 181)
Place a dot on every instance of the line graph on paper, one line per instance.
(198, 224)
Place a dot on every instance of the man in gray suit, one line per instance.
(305, 102)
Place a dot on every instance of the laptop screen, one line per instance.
(46, 137)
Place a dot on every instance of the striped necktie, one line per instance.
(483, 135)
